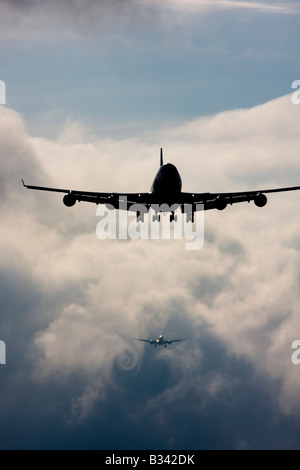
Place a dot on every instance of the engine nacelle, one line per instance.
(221, 204)
(260, 200)
(69, 200)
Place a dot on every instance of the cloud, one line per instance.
(275, 7)
(82, 18)
(71, 303)
(69, 19)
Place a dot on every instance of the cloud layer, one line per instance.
(71, 303)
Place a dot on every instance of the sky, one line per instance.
(93, 91)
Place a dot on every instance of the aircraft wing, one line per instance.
(175, 340)
(114, 199)
(126, 200)
(141, 339)
(221, 200)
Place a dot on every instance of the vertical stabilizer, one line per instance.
(161, 157)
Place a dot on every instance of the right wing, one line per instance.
(221, 200)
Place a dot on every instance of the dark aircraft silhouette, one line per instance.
(165, 196)
(160, 341)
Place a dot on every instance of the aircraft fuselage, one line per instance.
(160, 341)
(167, 184)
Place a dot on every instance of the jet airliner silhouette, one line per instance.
(160, 341)
(165, 196)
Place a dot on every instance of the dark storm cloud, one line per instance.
(224, 406)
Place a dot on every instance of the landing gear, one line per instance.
(173, 217)
(156, 217)
(140, 216)
(190, 217)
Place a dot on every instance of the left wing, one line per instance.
(114, 199)
(146, 340)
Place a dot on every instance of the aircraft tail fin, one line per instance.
(161, 157)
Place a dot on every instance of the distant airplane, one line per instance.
(160, 341)
(165, 191)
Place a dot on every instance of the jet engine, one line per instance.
(221, 204)
(69, 200)
(260, 200)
